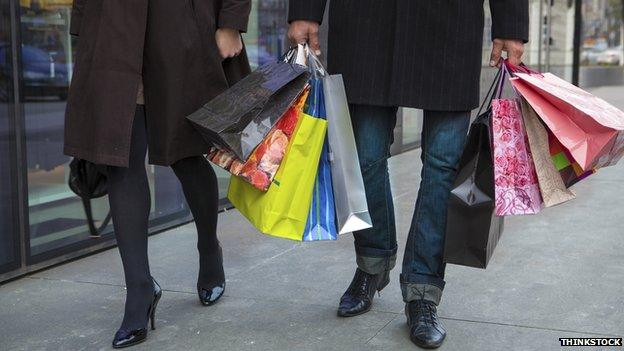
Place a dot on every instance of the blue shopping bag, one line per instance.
(321, 223)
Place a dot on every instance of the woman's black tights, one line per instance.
(129, 198)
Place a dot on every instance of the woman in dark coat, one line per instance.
(141, 67)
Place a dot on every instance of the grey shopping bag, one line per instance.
(349, 194)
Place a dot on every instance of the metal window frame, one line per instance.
(12, 105)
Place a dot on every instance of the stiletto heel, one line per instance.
(153, 310)
(126, 338)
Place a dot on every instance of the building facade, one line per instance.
(43, 223)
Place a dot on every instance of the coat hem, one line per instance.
(97, 158)
(158, 160)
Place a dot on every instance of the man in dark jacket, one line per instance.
(420, 54)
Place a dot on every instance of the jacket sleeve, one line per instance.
(234, 14)
(308, 10)
(510, 19)
(76, 16)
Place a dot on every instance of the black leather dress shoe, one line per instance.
(209, 296)
(126, 338)
(358, 298)
(425, 328)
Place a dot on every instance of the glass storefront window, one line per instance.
(266, 32)
(57, 218)
(602, 43)
(7, 229)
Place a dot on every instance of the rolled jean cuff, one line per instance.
(376, 265)
(422, 288)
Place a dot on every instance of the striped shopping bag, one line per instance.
(321, 223)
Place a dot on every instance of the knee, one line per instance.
(188, 164)
(372, 163)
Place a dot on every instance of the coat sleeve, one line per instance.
(307, 10)
(76, 16)
(510, 19)
(234, 14)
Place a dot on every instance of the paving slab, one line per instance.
(84, 316)
(37, 314)
(476, 336)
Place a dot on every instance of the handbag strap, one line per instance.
(94, 231)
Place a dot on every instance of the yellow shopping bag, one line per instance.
(282, 211)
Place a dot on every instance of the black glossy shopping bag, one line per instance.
(240, 118)
(473, 230)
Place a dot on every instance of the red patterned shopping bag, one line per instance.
(262, 165)
(517, 189)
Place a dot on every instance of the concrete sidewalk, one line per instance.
(556, 274)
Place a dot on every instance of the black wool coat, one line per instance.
(171, 45)
(413, 53)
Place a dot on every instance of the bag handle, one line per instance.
(312, 61)
(522, 68)
(489, 97)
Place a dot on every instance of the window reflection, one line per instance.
(7, 232)
(602, 49)
(56, 216)
(267, 29)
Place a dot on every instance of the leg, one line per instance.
(376, 247)
(443, 140)
(129, 197)
(199, 183)
(373, 127)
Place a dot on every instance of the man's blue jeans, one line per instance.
(443, 140)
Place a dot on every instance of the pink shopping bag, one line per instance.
(516, 185)
(591, 129)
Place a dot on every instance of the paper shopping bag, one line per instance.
(321, 223)
(570, 171)
(282, 210)
(349, 192)
(262, 165)
(240, 118)
(552, 187)
(589, 128)
(473, 229)
(515, 178)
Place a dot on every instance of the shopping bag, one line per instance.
(570, 171)
(321, 223)
(591, 129)
(552, 187)
(240, 118)
(516, 185)
(262, 165)
(473, 229)
(282, 210)
(349, 193)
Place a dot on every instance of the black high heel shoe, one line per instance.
(210, 292)
(210, 296)
(127, 338)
